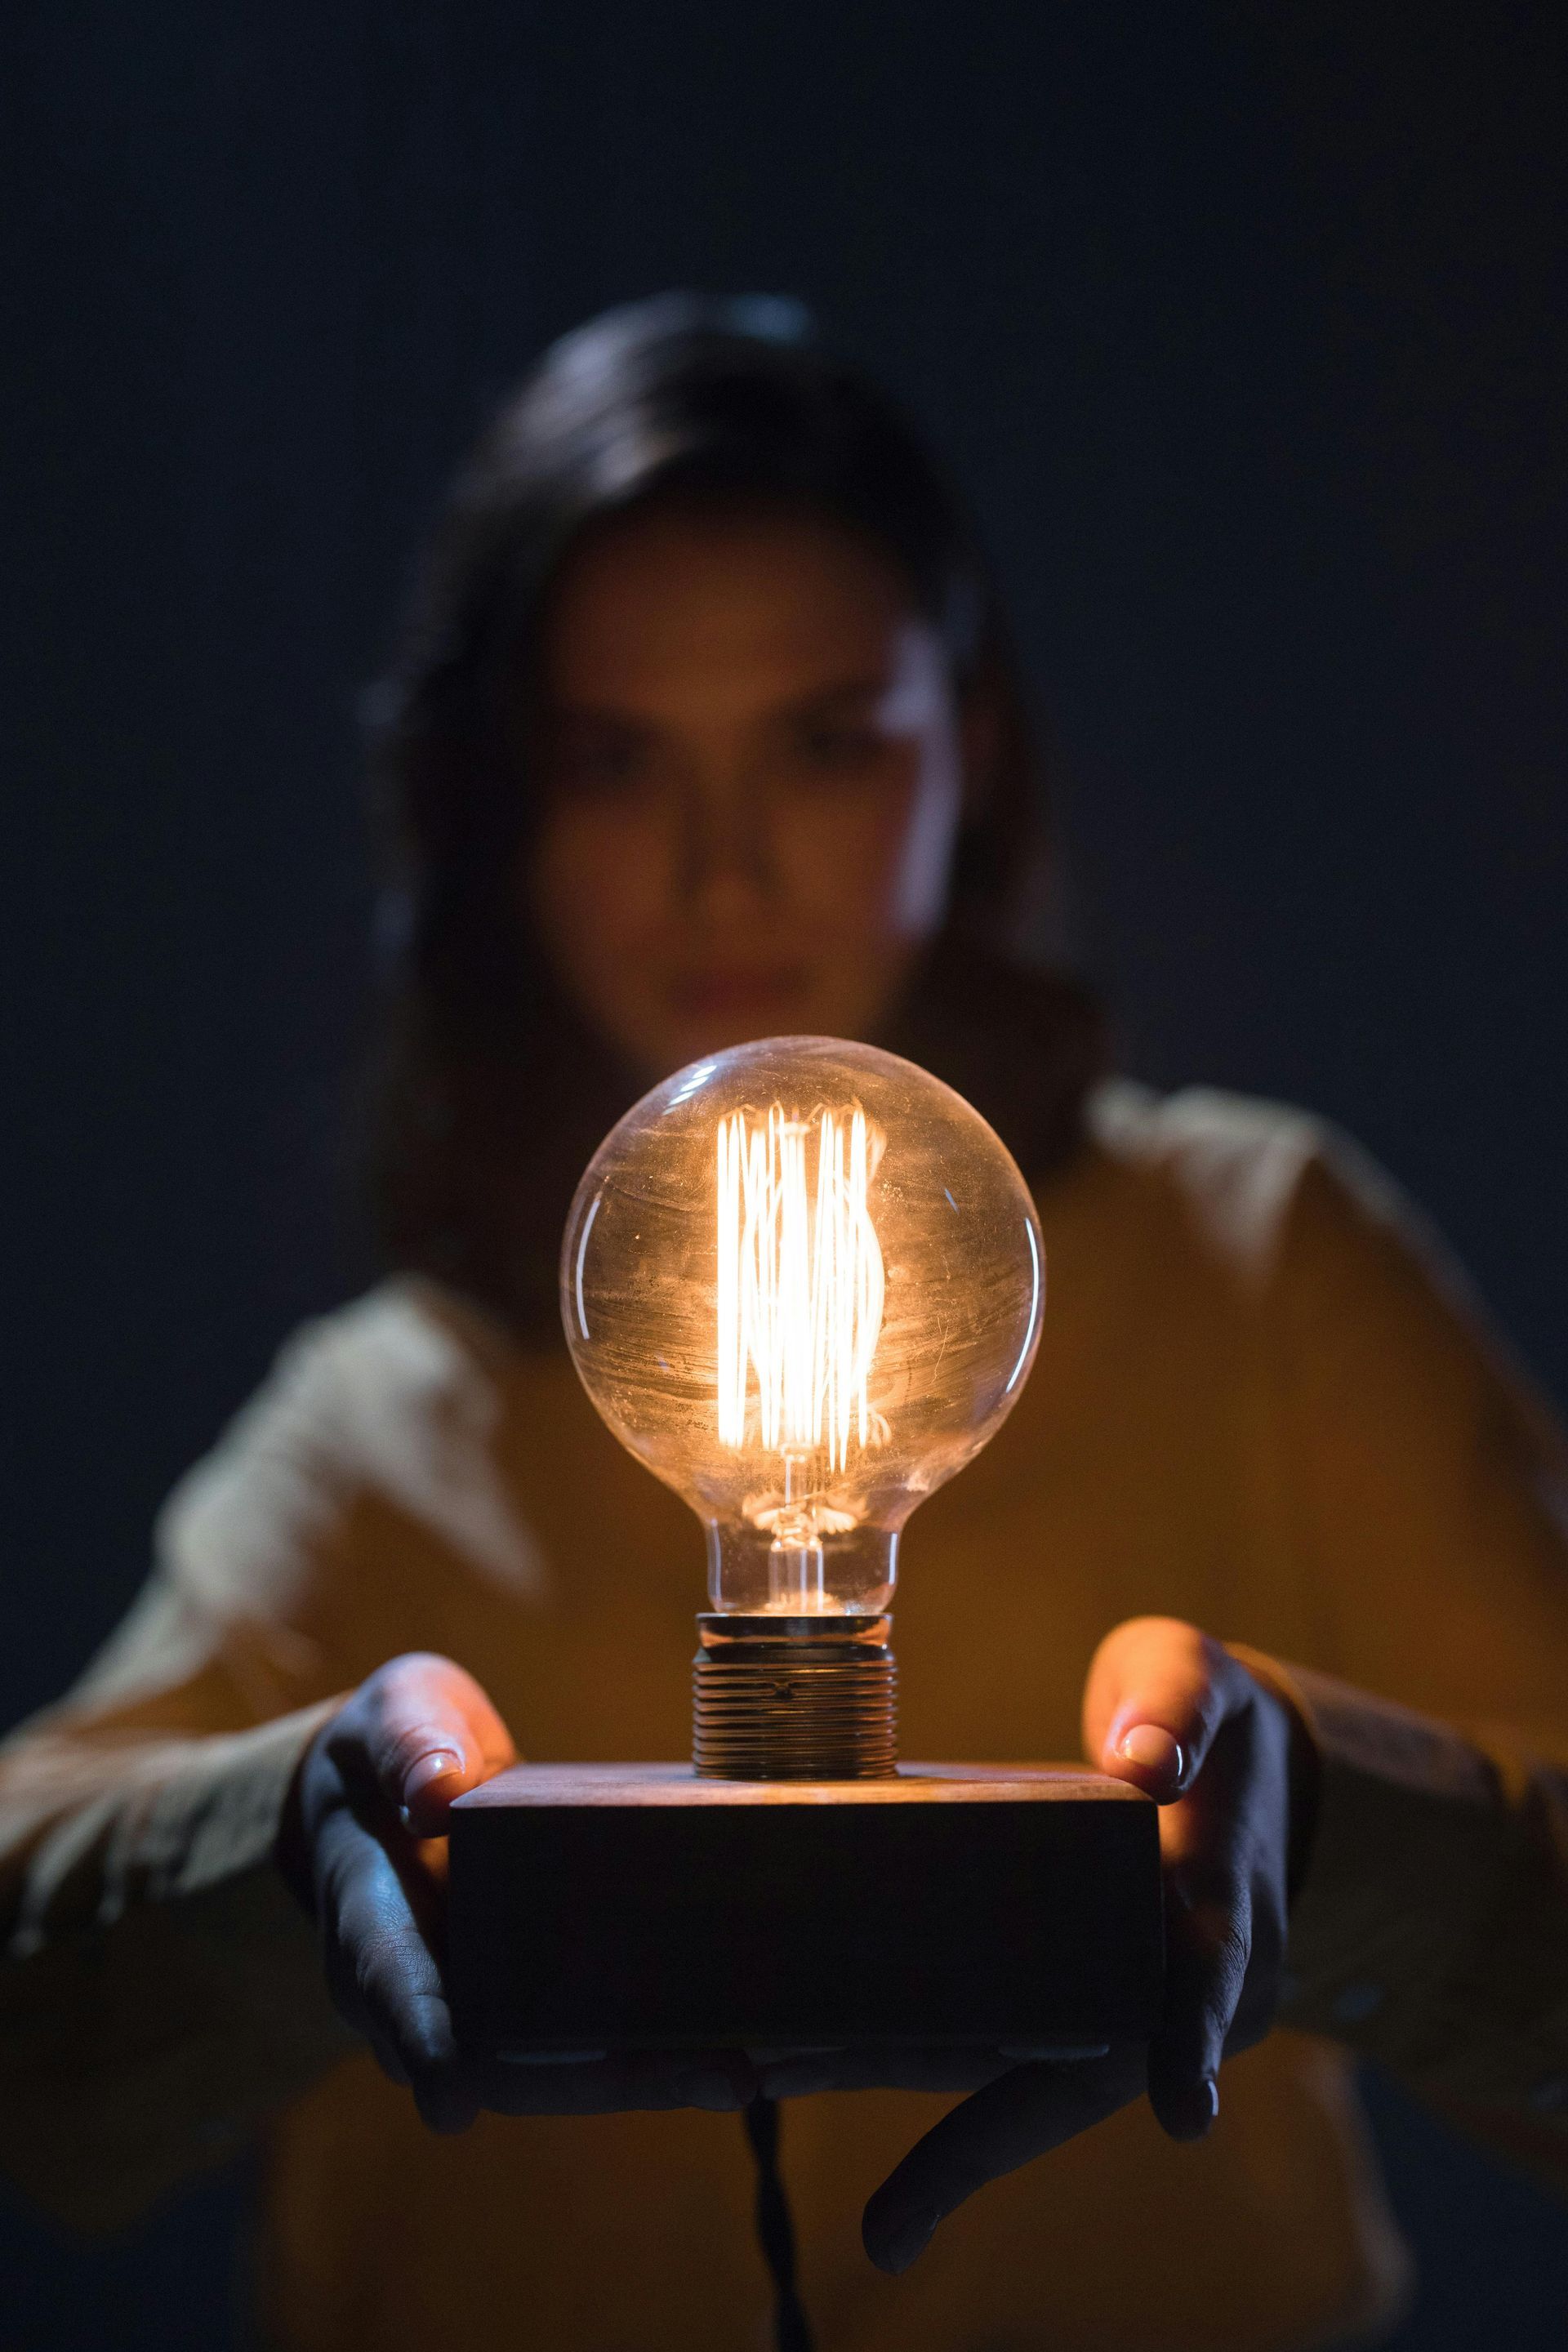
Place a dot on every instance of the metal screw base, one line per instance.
(794, 1698)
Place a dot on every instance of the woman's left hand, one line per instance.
(1174, 1714)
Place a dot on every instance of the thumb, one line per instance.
(432, 1733)
(1157, 1692)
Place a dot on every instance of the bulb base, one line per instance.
(794, 1698)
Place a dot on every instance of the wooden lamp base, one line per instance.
(602, 1907)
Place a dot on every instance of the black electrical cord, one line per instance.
(775, 2230)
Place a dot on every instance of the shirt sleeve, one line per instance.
(1424, 1487)
(160, 1989)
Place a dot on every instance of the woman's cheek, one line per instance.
(595, 898)
(849, 859)
(602, 868)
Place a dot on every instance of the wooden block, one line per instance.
(637, 1907)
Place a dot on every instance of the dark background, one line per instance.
(1244, 327)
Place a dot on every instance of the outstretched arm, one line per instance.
(1379, 1852)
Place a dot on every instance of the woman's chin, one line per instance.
(695, 1042)
(713, 1029)
(696, 1023)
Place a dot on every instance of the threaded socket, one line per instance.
(794, 1698)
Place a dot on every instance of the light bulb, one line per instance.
(802, 1281)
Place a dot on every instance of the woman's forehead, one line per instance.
(677, 605)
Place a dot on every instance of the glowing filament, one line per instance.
(800, 1280)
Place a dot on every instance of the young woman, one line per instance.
(707, 729)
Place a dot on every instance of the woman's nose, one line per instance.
(726, 866)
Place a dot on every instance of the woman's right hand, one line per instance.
(363, 1846)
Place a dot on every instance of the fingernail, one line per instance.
(435, 1764)
(1199, 2110)
(911, 2243)
(1153, 1749)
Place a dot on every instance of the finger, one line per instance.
(391, 2064)
(1157, 1692)
(903, 2066)
(625, 2083)
(1023, 2114)
(1225, 1848)
(433, 1734)
(386, 1979)
(1206, 1957)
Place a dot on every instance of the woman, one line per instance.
(707, 729)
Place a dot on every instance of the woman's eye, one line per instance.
(597, 764)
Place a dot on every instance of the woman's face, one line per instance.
(751, 776)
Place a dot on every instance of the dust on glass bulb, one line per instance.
(802, 1281)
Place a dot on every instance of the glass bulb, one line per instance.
(802, 1281)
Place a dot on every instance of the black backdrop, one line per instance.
(1243, 325)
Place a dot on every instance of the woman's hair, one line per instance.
(489, 1095)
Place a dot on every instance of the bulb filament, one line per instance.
(801, 1282)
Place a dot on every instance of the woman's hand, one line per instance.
(363, 1846)
(1169, 1710)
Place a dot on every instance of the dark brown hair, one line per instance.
(489, 1094)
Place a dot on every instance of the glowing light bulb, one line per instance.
(802, 1281)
